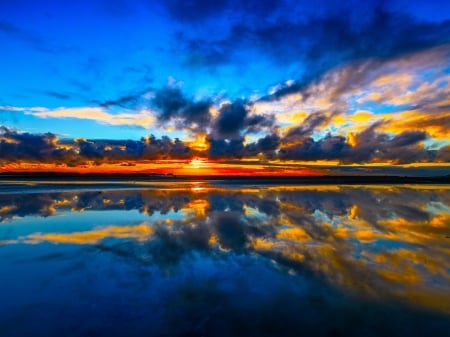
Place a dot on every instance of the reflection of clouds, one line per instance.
(139, 232)
(385, 243)
(25, 205)
(390, 241)
(45, 204)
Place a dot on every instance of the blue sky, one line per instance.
(97, 69)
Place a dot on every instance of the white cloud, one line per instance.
(143, 118)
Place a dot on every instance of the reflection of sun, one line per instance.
(198, 187)
(197, 163)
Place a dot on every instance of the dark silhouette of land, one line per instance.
(141, 177)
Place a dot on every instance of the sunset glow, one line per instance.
(198, 163)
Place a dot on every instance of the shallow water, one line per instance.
(214, 259)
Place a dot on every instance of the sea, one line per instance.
(214, 258)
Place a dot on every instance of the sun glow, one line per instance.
(197, 163)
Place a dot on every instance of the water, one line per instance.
(214, 259)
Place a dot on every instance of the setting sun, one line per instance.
(197, 163)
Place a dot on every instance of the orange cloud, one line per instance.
(139, 232)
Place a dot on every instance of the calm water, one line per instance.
(204, 259)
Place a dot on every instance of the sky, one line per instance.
(216, 87)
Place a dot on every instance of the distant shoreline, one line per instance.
(307, 180)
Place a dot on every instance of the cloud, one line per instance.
(235, 148)
(231, 119)
(443, 154)
(143, 118)
(338, 104)
(237, 118)
(22, 109)
(291, 33)
(127, 101)
(414, 82)
(392, 110)
(146, 149)
(363, 147)
(16, 146)
(329, 148)
(173, 105)
(308, 126)
(259, 122)
(436, 123)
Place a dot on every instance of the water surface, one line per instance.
(214, 259)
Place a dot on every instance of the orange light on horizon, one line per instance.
(198, 163)
(197, 166)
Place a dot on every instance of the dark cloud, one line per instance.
(257, 123)
(443, 155)
(330, 147)
(16, 146)
(235, 148)
(308, 126)
(91, 150)
(403, 148)
(131, 100)
(290, 32)
(224, 148)
(333, 40)
(231, 119)
(146, 148)
(369, 146)
(407, 138)
(366, 146)
(235, 119)
(172, 104)
(269, 143)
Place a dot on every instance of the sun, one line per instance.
(197, 163)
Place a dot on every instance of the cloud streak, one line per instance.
(144, 119)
